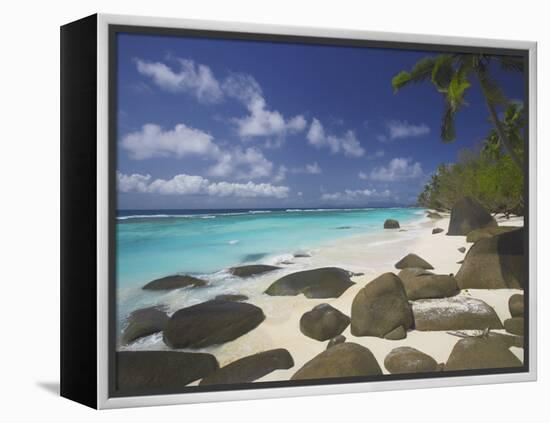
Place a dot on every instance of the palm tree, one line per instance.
(451, 75)
(514, 124)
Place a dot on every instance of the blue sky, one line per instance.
(206, 123)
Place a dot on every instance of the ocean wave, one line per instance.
(233, 242)
(212, 215)
(148, 216)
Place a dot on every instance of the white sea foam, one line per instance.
(233, 242)
(146, 216)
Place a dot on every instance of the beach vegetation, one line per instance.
(453, 75)
(492, 172)
(486, 173)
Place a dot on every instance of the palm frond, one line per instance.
(457, 87)
(421, 71)
(442, 72)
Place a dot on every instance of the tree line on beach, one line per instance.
(492, 172)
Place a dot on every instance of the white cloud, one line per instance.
(192, 78)
(197, 185)
(261, 122)
(403, 129)
(363, 175)
(153, 141)
(356, 195)
(179, 184)
(281, 174)
(397, 169)
(182, 141)
(250, 189)
(133, 183)
(313, 169)
(231, 163)
(346, 144)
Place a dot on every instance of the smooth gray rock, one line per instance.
(466, 215)
(209, 323)
(174, 282)
(251, 368)
(380, 307)
(141, 371)
(481, 353)
(419, 283)
(391, 224)
(326, 282)
(340, 339)
(412, 260)
(251, 270)
(231, 297)
(143, 322)
(515, 325)
(342, 360)
(404, 360)
(494, 263)
(489, 232)
(454, 313)
(516, 305)
(323, 322)
(396, 334)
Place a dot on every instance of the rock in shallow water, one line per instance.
(412, 260)
(323, 322)
(494, 263)
(251, 270)
(481, 353)
(342, 360)
(391, 224)
(210, 323)
(380, 307)
(409, 360)
(144, 322)
(144, 370)
(326, 282)
(231, 297)
(454, 313)
(467, 214)
(174, 282)
(436, 231)
(251, 368)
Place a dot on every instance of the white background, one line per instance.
(29, 155)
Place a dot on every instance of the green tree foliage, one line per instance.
(452, 75)
(487, 174)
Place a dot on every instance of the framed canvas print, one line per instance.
(255, 211)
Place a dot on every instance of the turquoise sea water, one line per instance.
(154, 244)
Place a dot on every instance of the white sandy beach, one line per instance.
(371, 255)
